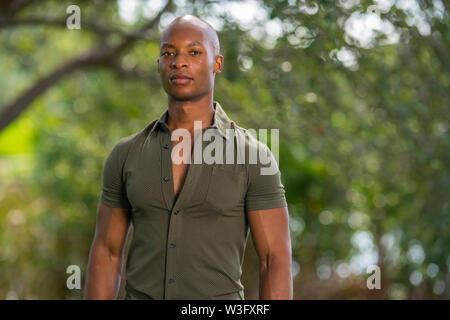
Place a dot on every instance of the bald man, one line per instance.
(187, 222)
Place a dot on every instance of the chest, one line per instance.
(179, 172)
(181, 151)
(153, 180)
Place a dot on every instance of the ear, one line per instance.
(218, 64)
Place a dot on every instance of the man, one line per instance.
(191, 220)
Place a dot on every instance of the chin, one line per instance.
(182, 96)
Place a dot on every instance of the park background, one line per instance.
(359, 90)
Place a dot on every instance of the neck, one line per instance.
(182, 114)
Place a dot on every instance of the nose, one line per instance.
(178, 62)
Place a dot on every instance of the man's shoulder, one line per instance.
(248, 137)
(240, 132)
(124, 144)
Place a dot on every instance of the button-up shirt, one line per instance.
(190, 246)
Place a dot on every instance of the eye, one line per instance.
(195, 51)
(164, 53)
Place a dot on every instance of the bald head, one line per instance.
(189, 48)
(195, 22)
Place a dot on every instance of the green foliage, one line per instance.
(364, 150)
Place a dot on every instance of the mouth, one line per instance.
(180, 79)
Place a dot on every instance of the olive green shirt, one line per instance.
(191, 246)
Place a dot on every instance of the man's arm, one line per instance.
(270, 234)
(103, 272)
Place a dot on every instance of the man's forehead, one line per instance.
(187, 31)
(185, 43)
(185, 39)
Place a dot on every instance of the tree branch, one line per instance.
(97, 28)
(105, 56)
(11, 22)
(11, 7)
(136, 74)
(14, 109)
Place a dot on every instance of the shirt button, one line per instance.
(166, 146)
(177, 211)
(172, 245)
(166, 179)
(171, 280)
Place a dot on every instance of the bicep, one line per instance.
(270, 232)
(264, 187)
(114, 192)
(111, 227)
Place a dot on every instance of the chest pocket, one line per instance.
(227, 187)
(144, 183)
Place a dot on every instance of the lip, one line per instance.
(179, 78)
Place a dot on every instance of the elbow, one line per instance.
(278, 259)
(114, 254)
(107, 252)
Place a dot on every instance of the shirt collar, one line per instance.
(220, 120)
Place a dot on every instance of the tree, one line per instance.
(363, 130)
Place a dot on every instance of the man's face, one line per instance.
(187, 64)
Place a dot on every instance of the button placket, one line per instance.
(166, 170)
(171, 262)
(172, 256)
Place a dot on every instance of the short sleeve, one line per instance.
(113, 188)
(265, 190)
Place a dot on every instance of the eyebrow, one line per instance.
(191, 44)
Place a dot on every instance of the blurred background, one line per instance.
(359, 90)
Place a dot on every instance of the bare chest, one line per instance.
(179, 171)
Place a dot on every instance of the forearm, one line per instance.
(275, 280)
(103, 274)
